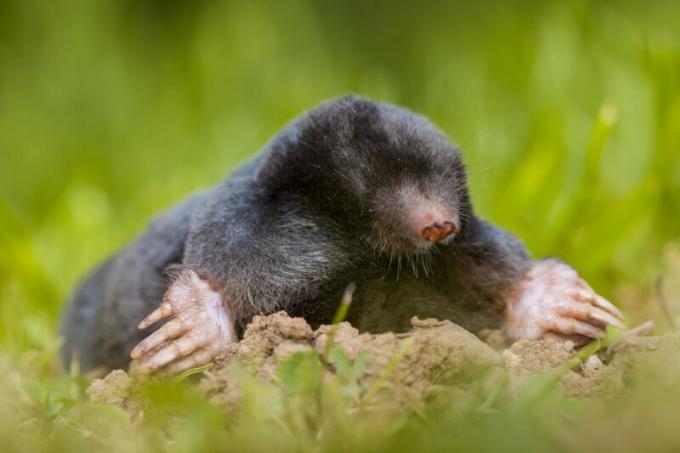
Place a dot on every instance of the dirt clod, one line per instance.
(648, 359)
(116, 388)
(527, 357)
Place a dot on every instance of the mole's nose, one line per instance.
(437, 232)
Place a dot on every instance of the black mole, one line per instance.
(353, 191)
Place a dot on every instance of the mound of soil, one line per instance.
(432, 353)
(411, 366)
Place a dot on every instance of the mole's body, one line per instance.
(353, 191)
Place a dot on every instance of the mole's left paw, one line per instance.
(554, 300)
(200, 326)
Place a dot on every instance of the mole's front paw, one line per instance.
(199, 327)
(554, 300)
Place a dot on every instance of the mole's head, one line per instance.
(383, 173)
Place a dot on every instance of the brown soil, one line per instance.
(648, 359)
(116, 388)
(409, 367)
(434, 353)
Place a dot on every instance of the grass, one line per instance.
(568, 114)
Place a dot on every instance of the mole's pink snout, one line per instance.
(429, 218)
(437, 232)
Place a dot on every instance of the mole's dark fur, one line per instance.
(318, 208)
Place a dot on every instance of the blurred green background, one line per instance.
(568, 114)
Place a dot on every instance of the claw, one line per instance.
(164, 311)
(571, 326)
(176, 349)
(166, 332)
(587, 312)
(608, 306)
(198, 358)
(583, 295)
(601, 302)
(599, 315)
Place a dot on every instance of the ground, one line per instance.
(390, 375)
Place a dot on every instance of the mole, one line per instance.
(353, 192)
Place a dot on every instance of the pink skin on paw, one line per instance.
(554, 300)
(198, 329)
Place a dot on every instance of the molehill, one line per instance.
(405, 369)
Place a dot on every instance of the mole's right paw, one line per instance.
(199, 327)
